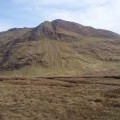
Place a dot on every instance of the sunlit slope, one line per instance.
(52, 57)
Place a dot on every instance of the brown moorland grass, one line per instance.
(60, 98)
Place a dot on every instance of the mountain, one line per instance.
(12, 34)
(64, 30)
(59, 48)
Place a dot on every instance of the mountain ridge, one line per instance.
(62, 46)
(58, 27)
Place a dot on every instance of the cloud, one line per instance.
(4, 26)
(60, 2)
(96, 13)
(103, 14)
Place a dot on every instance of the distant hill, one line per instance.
(59, 48)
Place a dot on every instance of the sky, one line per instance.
(104, 14)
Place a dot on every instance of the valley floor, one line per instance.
(60, 98)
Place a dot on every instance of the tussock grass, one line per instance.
(59, 99)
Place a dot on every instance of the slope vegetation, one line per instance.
(60, 48)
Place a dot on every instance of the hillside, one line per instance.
(59, 48)
(12, 34)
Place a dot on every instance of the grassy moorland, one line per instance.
(29, 57)
(60, 98)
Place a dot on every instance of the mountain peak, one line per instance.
(59, 20)
(62, 29)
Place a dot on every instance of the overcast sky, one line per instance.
(103, 14)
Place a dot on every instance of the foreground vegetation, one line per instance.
(68, 98)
